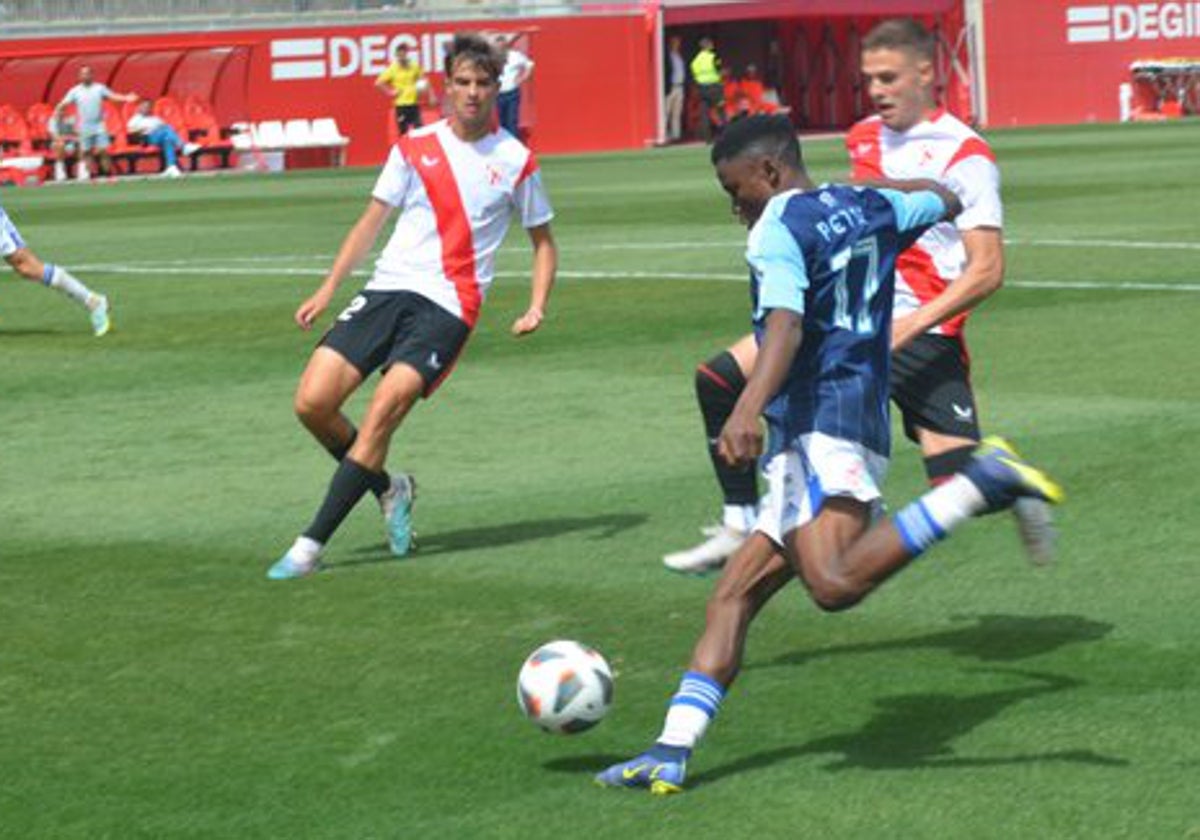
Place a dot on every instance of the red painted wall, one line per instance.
(594, 83)
(1061, 61)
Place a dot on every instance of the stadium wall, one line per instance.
(1063, 61)
(605, 101)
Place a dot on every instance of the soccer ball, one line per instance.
(565, 687)
(422, 85)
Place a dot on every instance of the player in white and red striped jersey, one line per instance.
(457, 185)
(950, 270)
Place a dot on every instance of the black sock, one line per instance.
(719, 383)
(380, 481)
(350, 482)
(939, 468)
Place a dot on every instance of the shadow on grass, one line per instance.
(26, 332)
(493, 536)
(591, 764)
(990, 638)
(911, 731)
(915, 731)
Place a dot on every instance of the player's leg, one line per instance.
(168, 141)
(27, 264)
(931, 384)
(58, 148)
(840, 568)
(327, 382)
(103, 161)
(360, 471)
(719, 383)
(754, 574)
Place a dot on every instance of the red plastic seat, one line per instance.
(14, 132)
(171, 112)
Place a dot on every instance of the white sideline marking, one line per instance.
(568, 274)
(1112, 243)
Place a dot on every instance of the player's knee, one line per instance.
(831, 591)
(729, 599)
(720, 377)
(310, 409)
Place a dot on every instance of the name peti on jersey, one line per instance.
(446, 187)
(944, 149)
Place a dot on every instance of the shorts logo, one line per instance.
(434, 362)
(429, 162)
(963, 414)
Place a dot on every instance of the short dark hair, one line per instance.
(478, 50)
(762, 134)
(902, 33)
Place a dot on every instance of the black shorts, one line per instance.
(407, 116)
(379, 329)
(931, 385)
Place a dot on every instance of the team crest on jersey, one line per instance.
(494, 175)
(926, 155)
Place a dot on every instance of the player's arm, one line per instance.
(383, 83)
(981, 277)
(357, 244)
(113, 96)
(950, 200)
(741, 440)
(545, 267)
(777, 261)
(525, 71)
(975, 182)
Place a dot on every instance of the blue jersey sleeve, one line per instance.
(915, 210)
(774, 256)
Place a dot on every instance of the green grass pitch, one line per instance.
(153, 684)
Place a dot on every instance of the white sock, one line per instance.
(60, 171)
(933, 516)
(692, 709)
(57, 277)
(306, 550)
(739, 518)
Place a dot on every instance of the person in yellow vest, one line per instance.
(706, 72)
(403, 82)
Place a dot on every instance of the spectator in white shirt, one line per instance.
(157, 132)
(518, 67)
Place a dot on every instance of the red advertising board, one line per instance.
(593, 88)
(1063, 61)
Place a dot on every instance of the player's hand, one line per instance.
(312, 308)
(741, 440)
(527, 323)
(904, 330)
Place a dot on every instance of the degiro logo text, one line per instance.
(1132, 22)
(341, 56)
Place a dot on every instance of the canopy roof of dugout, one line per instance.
(682, 12)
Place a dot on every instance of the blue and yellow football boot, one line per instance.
(656, 770)
(1003, 477)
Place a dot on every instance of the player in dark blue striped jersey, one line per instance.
(821, 261)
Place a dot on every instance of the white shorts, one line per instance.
(799, 481)
(10, 237)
